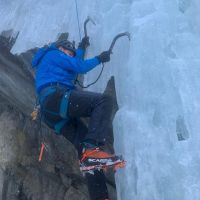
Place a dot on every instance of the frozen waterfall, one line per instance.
(157, 77)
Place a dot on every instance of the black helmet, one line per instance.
(66, 44)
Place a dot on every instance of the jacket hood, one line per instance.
(41, 53)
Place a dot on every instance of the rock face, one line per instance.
(16, 82)
(22, 176)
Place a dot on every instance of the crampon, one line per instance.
(113, 163)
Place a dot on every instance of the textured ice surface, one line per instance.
(157, 78)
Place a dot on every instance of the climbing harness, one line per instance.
(40, 112)
(60, 106)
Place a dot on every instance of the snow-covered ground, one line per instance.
(157, 78)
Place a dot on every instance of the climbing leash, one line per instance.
(110, 51)
(86, 35)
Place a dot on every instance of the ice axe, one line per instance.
(116, 38)
(85, 24)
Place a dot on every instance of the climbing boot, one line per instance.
(96, 159)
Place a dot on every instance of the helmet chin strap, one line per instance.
(66, 51)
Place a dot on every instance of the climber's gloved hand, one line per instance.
(104, 57)
(84, 43)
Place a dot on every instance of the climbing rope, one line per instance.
(82, 86)
(78, 19)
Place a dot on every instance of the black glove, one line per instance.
(104, 56)
(84, 43)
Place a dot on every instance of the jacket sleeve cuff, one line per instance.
(98, 60)
(80, 52)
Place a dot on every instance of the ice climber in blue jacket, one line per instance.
(62, 104)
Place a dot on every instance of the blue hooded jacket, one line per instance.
(54, 66)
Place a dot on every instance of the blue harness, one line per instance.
(63, 108)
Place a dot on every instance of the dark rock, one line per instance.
(73, 194)
(22, 177)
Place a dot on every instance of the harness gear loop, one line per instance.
(36, 111)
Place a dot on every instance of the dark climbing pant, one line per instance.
(97, 107)
(78, 104)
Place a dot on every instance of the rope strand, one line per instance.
(82, 86)
(78, 19)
